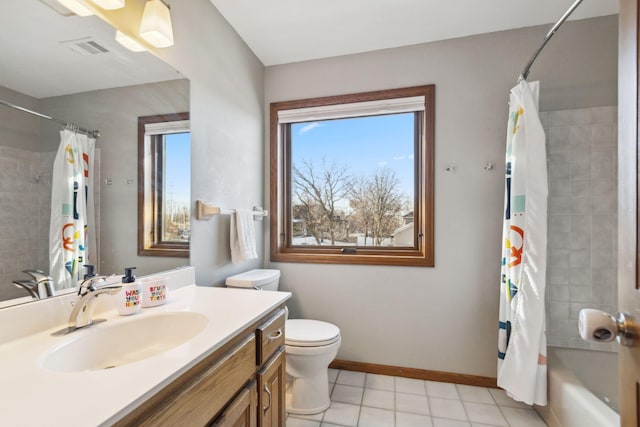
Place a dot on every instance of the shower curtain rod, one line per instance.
(552, 31)
(92, 133)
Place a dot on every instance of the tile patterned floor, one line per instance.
(368, 400)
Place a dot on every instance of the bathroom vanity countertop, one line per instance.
(33, 395)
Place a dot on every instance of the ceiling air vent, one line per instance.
(85, 46)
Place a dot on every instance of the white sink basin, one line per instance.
(107, 346)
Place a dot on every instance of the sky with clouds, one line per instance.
(363, 144)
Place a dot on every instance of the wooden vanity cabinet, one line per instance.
(271, 384)
(271, 376)
(242, 411)
(270, 337)
(239, 385)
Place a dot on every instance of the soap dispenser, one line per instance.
(129, 297)
(89, 271)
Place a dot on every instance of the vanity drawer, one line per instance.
(270, 336)
(198, 401)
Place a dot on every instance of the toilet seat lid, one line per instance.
(310, 333)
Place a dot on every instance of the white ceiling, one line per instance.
(283, 31)
(278, 31)
(33, 62)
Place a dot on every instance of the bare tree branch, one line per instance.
(378, 204)
(322, 192)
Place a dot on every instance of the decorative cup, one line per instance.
(154, 291)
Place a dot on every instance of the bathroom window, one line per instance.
(352, 178)
(164, 184)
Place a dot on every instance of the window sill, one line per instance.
(409, 258)
(165, 252)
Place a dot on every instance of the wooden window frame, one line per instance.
(149, 227)
(421, 255)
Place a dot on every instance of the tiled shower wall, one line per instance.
(582, 218)
(25, 199)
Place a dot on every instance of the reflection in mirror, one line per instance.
(71, 68)
(164, 185)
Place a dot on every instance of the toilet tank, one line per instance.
(262, 279)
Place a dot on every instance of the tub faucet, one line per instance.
(83, 308)
(44, 283)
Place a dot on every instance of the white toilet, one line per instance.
(310, 346)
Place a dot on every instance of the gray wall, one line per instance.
(18, 129)
(227, 100)
(115, 113)
(25, 191)
(443, 318)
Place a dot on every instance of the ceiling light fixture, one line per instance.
(156, 24)
(129, 42)
(110, 4)
(76, 7)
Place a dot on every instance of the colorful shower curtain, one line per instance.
(522, 346)
(72, 230)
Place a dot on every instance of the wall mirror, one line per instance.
(71, 68)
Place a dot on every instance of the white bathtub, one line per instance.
(580, 381)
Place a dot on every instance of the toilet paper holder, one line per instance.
(599, 326)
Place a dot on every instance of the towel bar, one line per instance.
(205, 210)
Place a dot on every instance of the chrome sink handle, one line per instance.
(82, 312)
(89, 285)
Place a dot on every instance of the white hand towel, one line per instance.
(243, 236)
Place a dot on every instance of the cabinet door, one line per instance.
(241, 412)
(200, 395)
(271, 386)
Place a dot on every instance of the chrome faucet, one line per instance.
(29, 286)
(83, 308)
(40, 286)
(44, 283)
